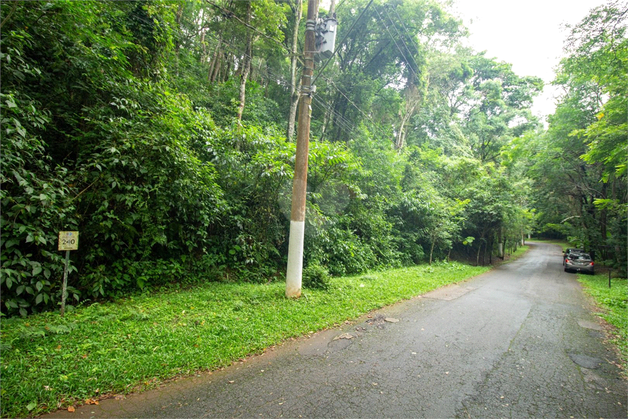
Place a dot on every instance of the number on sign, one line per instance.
(68, 240)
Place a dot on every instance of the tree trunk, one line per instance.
(294, 80)
(246, 65)
(432, 250)
(400, 141)
(325, 121)
(225, 72)
(414, 97)
(477, 258)
(177, 44)
(214, 65)
(412, 101)
(490, 251)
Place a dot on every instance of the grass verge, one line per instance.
(49, 362)
(612, 304)
(521, 250)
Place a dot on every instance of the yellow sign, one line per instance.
(68, 240)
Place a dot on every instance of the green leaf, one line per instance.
(21, 131)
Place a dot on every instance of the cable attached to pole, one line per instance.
(341, 42)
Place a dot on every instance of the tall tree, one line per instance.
(587, 138)
(383, 56)
(246, 61)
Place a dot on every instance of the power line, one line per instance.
(229, 14)
(349, 100)
(401, 37)
(367, 118)
(343, 40)
(397, 45)
(344, 123)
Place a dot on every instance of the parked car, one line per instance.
(579, 262)
(569, 251)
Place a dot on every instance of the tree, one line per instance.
(594, 78)
(384, 56)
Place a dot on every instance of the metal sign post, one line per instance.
(68, 240)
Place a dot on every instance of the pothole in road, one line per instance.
(585, 361)
(590, 325)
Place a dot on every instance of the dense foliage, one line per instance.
(579, 163)
(163, 132)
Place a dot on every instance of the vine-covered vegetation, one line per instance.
(163, 131)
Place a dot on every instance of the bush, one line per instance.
(316, 277)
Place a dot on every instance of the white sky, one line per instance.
(529, 34)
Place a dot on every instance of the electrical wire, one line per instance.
(349, 100)
(342, 122)
(405, 30)
(341, 42)
(397, 45)
(230, 14)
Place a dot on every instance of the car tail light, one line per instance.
(591, 263)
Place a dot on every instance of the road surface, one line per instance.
(519, 341)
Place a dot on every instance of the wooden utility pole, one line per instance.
(299, 184)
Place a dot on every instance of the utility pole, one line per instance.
(299, 184)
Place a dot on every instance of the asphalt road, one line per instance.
(519, 341)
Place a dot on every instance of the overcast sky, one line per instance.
(528, 34)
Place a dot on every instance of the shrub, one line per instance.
(316, 276)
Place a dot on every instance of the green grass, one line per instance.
(612, 303)
(49, 362)
(521, 250)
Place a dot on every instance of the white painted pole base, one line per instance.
(295, 259)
